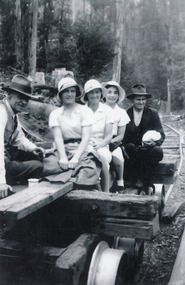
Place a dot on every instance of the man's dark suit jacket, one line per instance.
(150, 121)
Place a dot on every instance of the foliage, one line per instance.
(81, 37)
(94, 45)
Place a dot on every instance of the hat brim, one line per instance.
(84, 98)
(78, 95)
(9, 89)
(121, 90)
(147, 95)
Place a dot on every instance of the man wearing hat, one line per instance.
(19, 157)
(143, 137)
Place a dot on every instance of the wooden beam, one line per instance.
(15, 248)
(178, 272)
(166, 167)
(128, 228)
(111, 205)
(70, 266)
(171, 210)
(31, 199)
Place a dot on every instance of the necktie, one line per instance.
(15, 123)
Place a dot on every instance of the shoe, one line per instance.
(120, 189)
(10, 192)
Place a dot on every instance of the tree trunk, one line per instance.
(33, 42)
(119, 41)
(18, 35)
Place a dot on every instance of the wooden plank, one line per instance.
(110, 204)
(163, 179)
(15, 248)
(178, 272)
(146, 230)
(22, 204)
(70, 266)
(166, 167)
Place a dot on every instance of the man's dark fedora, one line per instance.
(139, 90)
(20, 84)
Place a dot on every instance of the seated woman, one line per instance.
(102, 128)
(116, 94)
(71, 125)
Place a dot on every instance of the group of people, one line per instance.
(90, 132)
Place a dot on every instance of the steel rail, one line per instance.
(181, 159)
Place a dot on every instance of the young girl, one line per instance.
(116, 94)
(102, 128)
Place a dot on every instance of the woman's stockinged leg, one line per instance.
(105, 158)
(105, 175)
(119, 168)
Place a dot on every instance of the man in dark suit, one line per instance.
(143, 138)
(19, 157)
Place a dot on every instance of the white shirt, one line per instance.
(102, 116)
(137, 117)
(121, 119)
(71, 126)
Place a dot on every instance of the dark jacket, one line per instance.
(150, 121)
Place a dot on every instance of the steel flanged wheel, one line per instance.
(160, 192)
(107, 266)
(134, 249)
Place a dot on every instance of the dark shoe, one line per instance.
(120, 189)
(10, 192)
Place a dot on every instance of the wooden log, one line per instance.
(128, 228)
(178, 272)
(70, 266)
(31, 199)
(112, 205)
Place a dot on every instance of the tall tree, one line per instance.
(18, 35)
(120, 8)
(33, 40)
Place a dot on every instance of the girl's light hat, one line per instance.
(67, 82)
(115, 84)
(91, 85)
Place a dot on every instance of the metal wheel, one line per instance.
(107, 266)
(135, 250)
(133, 247)
(159, 191)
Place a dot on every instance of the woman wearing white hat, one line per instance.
(71, 125)
(116, 94)
(102, 127)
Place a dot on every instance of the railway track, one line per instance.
(173, 147)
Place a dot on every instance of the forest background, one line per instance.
(127, 40)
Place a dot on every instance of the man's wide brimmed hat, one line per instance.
(20, 84)
(115, 84)
(139, 90)
(67, 82)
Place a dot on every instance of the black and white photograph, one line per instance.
(92, 142)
